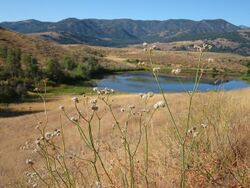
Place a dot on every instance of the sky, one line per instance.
(234, 11)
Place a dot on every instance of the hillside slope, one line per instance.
(44, 50)
(40, 49)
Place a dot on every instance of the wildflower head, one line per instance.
(146, 95)
(204, 126)
(195, 134)
(57, 132)
(203, 47)
(61, 107)
(94, 107)
(131, 107)
(93, 101)
(176, 71)
(74, 119)
(145, 44)
(75, 99)
(156, 69)
(100, 91)
(48, 135)
(29, 162)
(152, 47)
(98, 184)
(159, 104)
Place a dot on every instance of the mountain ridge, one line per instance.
(124, 32)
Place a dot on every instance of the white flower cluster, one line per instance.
(61, 107)
(146, 95)
(105, 90)
(75, 99)
(93, 103)
(204, 125)
(29, 162)
(140, 63)
(50, 135)
(74, 119)
(159, 104)
(203, 47)
(150, 48)
(193, 131)
(176, 71)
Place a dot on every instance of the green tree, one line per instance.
(54, 70)
(29, 66)
(92, 66)
(3, 51)
(18, 54)
(13, 64)
(81, 71)
(69, 63)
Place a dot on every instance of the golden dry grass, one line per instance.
(222, 149)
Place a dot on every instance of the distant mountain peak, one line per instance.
(69, 20)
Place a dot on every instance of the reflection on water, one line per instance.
(144, 82)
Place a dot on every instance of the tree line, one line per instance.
(21, 72)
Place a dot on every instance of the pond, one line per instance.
(144, 82)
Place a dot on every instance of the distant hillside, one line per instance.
(40, 49)
(123, 32)
(119, 31)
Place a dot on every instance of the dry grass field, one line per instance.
(219, 153)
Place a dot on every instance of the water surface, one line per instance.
(144, 82)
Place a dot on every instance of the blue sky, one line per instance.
(235, 11)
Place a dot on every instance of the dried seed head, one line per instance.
(74, 119)
(131, 107)
(94, 107)
(204, 126)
